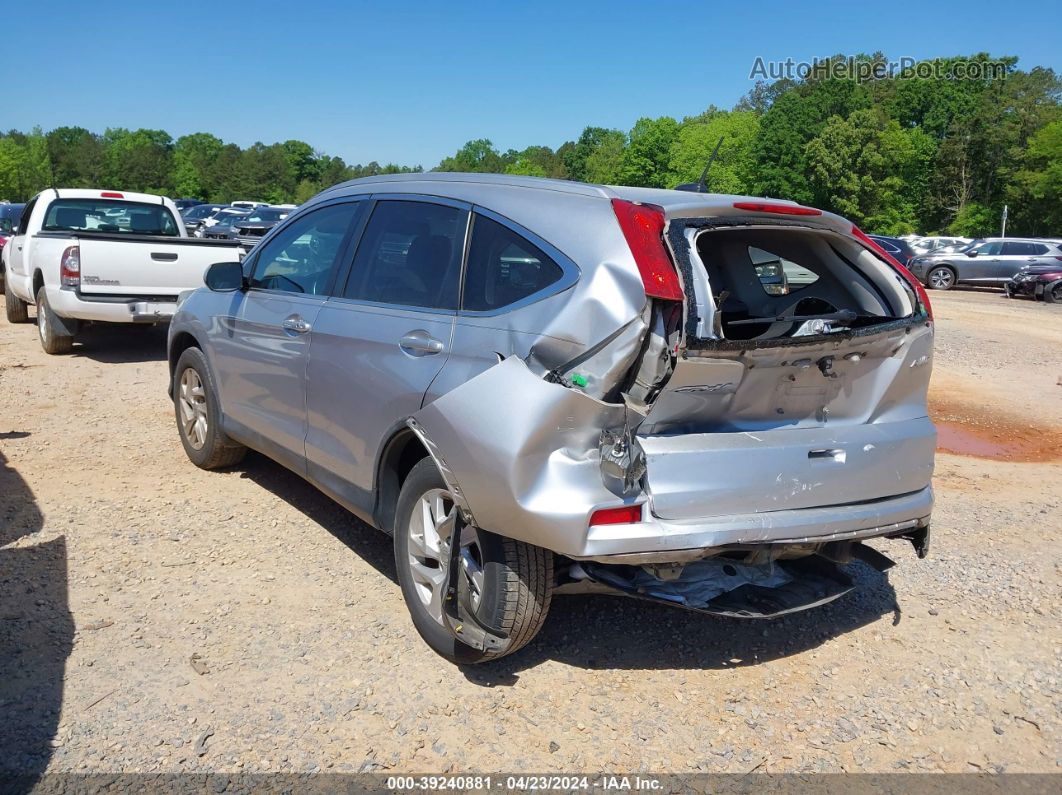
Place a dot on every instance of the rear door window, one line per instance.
(504, 267)
(410, 255)
(103, 215)
(301, 256)
(779, 276)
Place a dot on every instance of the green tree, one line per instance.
(138, 160)
(644, 162)
(478, 155)
(194, 164)
(76, 157)
(1035, 190)
(860, 167)
(732, 170)
(606, 159)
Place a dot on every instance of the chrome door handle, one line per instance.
(296, 324)
(420, 343)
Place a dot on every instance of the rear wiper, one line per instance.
(843, 316)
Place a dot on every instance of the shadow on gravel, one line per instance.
(374, 547)
(36, 633)
(122, 344)
(611, 632)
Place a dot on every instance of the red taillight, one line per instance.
(920, 290)
(779, 209)
(643, 227)
(111, 195)
(70, 267)
(627, 514)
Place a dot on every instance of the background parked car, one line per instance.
(218, 216)
(10, 214)
(992, 262)
(194, 217)
(222, 229)
(186, 204)
(895, 246)
(1037, 281)
(247, 205)
(926, 244)
(252, 227)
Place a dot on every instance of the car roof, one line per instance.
(676, 203)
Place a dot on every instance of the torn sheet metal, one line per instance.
(752, 592)
(523, 452)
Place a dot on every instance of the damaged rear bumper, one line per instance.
(520, 456)
(659, 540)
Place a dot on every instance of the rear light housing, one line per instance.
(777, 209)
(110, 194)
(70, 267)
(917, 286)
(643, 227)
(625, 514)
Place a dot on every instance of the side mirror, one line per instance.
(971, 253)
(224, 277)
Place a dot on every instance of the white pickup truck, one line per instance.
(101, 256)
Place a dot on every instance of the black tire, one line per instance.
(946, 281)
(1053, 293)
(17, 309)
(217, 450)
(517, 580)
(52, 340)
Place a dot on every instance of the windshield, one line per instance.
(199, 211)
(6, 226)
(103, 215)
(266, 216)
(228, 219)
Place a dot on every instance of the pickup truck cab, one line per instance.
(83, 255)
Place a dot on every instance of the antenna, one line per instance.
(702, 185)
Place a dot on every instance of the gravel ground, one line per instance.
(154, 617)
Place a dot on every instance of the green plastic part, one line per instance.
(579, 379)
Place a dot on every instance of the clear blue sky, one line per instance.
(410, 82)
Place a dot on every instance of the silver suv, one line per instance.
(546, 387)
(993, 262)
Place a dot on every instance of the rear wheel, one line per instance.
(510, 582)
(53, 340)
(198, 413)
(17, 309)
(941, 278)
(1053, 293)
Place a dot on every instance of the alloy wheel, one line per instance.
(941, 279)
(192, 399)
(430, 531)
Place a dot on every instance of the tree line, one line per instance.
(896, 154)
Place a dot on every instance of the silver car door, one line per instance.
(382, 338)
(983, 266)
(260, 345)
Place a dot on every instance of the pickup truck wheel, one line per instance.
(52, 340)
(941, 278)
(198, 413)
(511, 582)
(17, 309)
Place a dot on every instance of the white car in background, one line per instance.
(85, 255)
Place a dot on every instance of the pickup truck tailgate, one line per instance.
(148, 266)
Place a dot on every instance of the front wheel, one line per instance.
(940, 279)
(195, 403)
(17, 310)
(510, 582)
